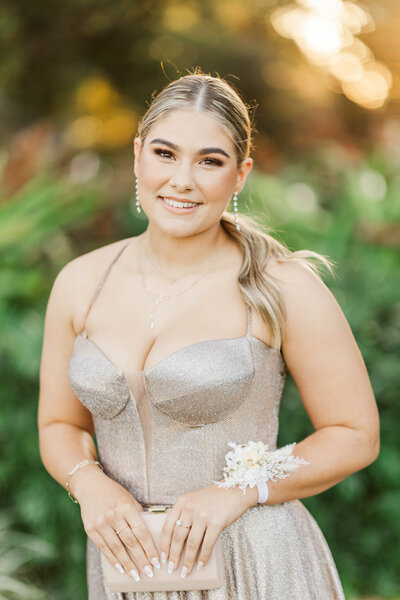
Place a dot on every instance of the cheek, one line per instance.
(218, 187)
(150, 171)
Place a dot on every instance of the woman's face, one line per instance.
(187, 156)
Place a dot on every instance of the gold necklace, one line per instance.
(158, 298)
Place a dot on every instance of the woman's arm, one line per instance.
(325, 362)
(65, 425)
(66, 433)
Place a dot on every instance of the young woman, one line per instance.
(171, 344)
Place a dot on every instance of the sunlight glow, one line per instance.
(372, 88)
(326, 8)
(319, 35)
(325, 32)
(346, 67)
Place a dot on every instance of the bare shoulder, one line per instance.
(76, 282)
(313, 314)
(291, 275)
(319, 348)
(322, 355)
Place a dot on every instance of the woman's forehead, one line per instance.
(191, 129)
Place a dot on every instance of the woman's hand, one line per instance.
(107, 507)
(208, 511)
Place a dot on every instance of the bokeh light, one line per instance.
(371, 88)
(325, 31)
(301, 197)
(107, 121)
(373, 185)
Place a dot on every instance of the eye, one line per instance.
(214, 161)
(163, 153)
(208, 161)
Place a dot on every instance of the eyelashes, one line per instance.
(167, 154)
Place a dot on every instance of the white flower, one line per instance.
(250, 457)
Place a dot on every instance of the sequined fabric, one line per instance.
(165, 431)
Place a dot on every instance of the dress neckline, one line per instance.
(146, 372)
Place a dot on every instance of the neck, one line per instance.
(178, 256)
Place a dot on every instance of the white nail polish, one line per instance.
(155, 562)
(135, 574)
(199, 565)
(163, 557)
(148, 570)
(170, 566)
(119, 568)
(184, 571)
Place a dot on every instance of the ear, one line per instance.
(243, 171)
(137, 147)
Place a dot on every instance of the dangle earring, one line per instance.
(137, 196)
(235, 210)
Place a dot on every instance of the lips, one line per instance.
(173, 198)
(178, 210)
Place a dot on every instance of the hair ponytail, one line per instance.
(257, 287)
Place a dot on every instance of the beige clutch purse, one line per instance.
(211, 575)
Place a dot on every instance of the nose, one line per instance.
(182, 177)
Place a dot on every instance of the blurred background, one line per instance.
(322, 78)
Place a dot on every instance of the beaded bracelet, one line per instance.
(81, 464)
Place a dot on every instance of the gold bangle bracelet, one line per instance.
(81, 464)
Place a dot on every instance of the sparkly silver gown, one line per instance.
(165, 431)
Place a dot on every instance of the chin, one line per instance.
(181, 231)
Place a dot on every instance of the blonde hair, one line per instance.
(214, 95)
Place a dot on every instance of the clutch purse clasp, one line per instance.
(157, 508)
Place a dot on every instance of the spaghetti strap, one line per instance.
(249, 319)
(102, 281)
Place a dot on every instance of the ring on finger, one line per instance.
(121, 529)
(137, 523)
(179, 522)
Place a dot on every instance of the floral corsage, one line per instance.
(252, 463)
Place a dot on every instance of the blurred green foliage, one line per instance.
(18, 552)
(37, 226)
(321, 203)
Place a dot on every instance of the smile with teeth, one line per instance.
(179, 204)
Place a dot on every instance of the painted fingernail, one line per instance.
(199, 565)
(135, 574)
(119, 568)
(163, 557)
(148, 570)
(184, 571)
(155, 562)
(170, 566)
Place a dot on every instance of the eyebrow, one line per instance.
(211, 150)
